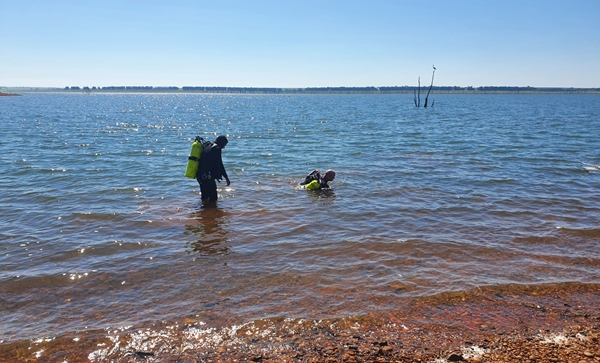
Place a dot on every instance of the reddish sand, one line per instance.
(518, 325)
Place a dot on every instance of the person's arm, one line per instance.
(222, 169)
(323, 182)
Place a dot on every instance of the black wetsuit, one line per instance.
(211, 169)
(315, 175)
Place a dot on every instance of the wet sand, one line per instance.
(556, 323)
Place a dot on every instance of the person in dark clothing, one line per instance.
(211, 169)
(322, 180)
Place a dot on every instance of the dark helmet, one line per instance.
(221, 141)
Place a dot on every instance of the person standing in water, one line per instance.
(211, 169)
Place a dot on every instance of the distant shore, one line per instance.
(311, 90)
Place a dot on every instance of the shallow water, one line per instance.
(99, 228)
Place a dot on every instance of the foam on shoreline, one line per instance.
(557, 322)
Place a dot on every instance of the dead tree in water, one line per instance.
(432, 75)
(418, 100)
(417, 96)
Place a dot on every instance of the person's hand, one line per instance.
(228, 181)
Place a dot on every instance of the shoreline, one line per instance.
(306, 91)
(523, 324)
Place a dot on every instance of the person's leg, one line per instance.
(208, 188)
(212, 190)
(203, 191)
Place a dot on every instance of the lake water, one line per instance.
(99, 228)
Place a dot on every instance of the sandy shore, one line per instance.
(520, 325)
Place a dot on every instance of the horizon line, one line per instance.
(190, 88)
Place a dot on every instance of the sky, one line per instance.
(299, 43)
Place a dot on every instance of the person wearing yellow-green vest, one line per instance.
(315, 180)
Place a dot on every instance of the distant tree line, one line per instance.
(122, 88)
(232, 89)
(340, 90)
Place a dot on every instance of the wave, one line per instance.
(588, 233)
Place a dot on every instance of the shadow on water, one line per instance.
(208, 226)
(322, 196)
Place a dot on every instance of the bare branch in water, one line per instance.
(432, 75)
(419, 103)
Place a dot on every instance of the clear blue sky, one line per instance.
(302, 43)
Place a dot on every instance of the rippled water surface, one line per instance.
(99, 227)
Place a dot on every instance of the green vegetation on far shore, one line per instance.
(307, 90)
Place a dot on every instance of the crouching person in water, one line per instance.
(211, 169)
(315, 180)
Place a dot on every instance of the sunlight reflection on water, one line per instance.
(100, 228)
